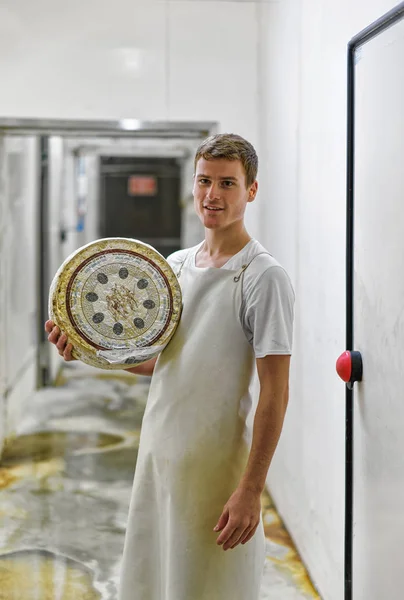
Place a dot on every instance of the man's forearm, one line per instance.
(241, 514)
(146, 368)
(268, 422)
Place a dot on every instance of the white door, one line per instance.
(378, 511)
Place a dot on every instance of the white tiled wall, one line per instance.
(3, 297)
(20, 242)
(213, 64)
(132, 58)
(18, 334)
(83, 59)
(213, 70)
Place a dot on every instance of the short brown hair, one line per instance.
(231, 147)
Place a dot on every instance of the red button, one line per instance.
(344, 366)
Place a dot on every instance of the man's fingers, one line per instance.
(54, 335)
(250, 535)
(222, 521)
(227, 532)
(234, 538)
(59, 338)
(49, 325)
(232, 535)
(61, 343)
(67, 355)
(246, 534)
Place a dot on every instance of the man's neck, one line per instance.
(220, 246)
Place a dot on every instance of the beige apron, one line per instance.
(193, 452)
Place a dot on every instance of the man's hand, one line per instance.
(240, 518)
(59, 339)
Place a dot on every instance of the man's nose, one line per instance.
(213, 192)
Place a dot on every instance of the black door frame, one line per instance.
(42, 249)
(385, 22)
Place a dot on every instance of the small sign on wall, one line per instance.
(142, 185)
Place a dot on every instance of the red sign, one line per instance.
(142, 185)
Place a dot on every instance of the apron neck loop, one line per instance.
(237, 278)
(182, 264)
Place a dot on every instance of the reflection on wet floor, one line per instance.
(44, 445)
(65, 481)
(45, 576)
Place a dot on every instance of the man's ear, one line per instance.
(253, 191)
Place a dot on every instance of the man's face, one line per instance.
(220, 192)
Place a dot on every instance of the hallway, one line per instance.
(65, 493)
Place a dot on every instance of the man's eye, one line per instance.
(228, 183)
(203, 181)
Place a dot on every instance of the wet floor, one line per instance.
(65, 483)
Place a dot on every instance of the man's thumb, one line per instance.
(222, 521)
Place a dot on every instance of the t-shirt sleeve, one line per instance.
(268, 313)
(176, 259)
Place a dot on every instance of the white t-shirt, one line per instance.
(267, 308)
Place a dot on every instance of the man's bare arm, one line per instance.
(273, 373)
(146, 368)
(241, 515)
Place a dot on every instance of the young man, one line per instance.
(195, 530)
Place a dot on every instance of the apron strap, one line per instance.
(181, 266)
(237, 278)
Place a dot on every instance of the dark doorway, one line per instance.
(141, 198)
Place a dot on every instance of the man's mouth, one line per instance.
(212, 208)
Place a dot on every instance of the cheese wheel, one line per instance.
(117, 300)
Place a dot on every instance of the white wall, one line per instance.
(3, 296)
(18, 333)
(303, 65)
